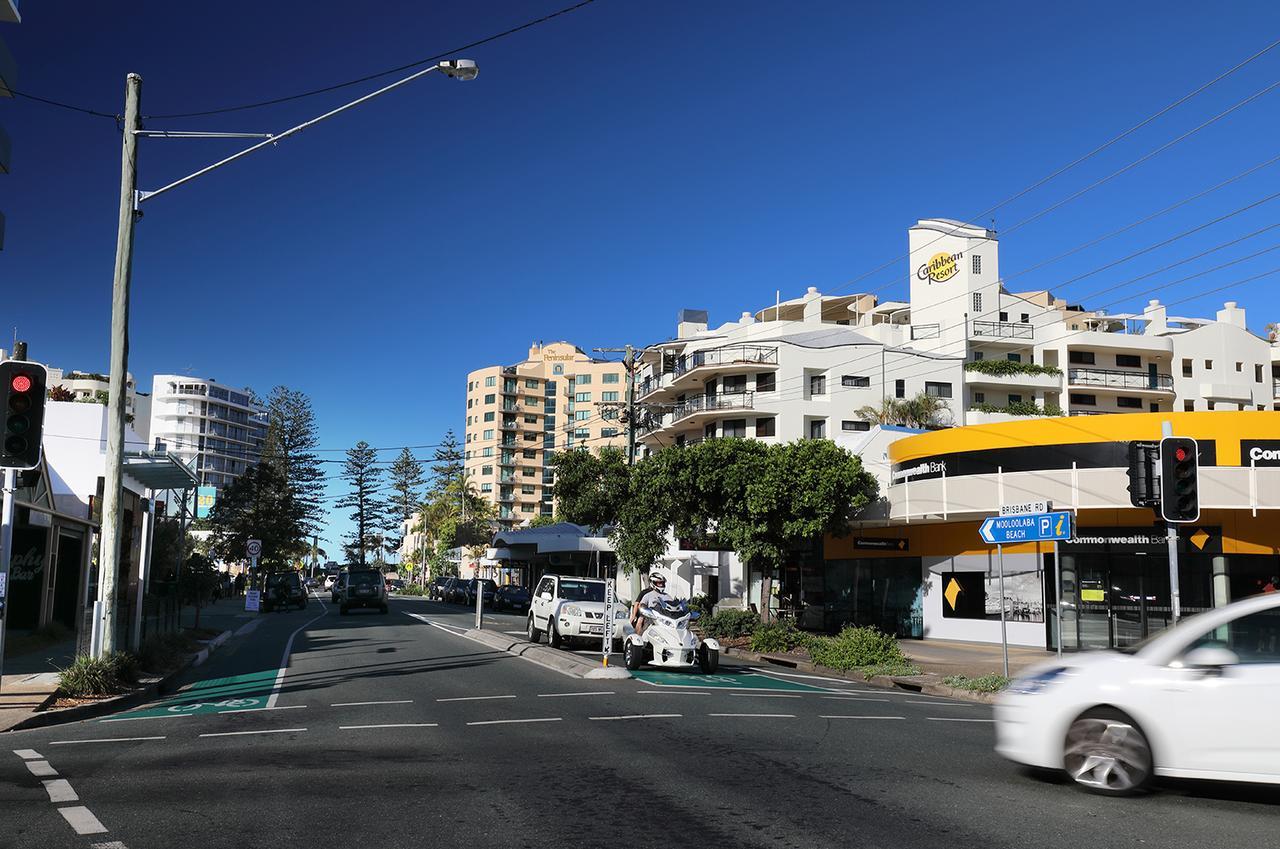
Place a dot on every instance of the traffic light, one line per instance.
(1144, 486)
(1179, 479)
(22, 389)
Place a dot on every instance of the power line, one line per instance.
(115, 116)
(323, 90)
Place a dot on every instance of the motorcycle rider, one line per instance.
(652, 597)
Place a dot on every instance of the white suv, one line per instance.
(570, 608)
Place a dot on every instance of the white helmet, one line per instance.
(657, 581)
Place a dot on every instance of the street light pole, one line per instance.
(109, 553)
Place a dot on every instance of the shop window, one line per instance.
(964, 595)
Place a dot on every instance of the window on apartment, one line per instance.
(709, 432)
(490, 380)
(530, 401)
(937, 390)
(582, 397)
(978, 355)
(1015, 399)
(1082, 400)
(1004, 316)
(1188, 406)
(527, 489)
(526, 508)
(1239, 367)
(489, 416)
(766, 427)
(531, 436)
(817, 428)
(609, 414)
(530, 419)
(487, 452)
(582, 379)
(530, 453)
(735, 428)
(528, 471)
(1257, 373)
(1210, 405)
(899, 389)
(1026, 319)
(469, 402)
(854, 380)
(1128, 361)
(853, 426)
(470, 436)
(486, 487)
(486, 470)
(1013, 358)
(979, 397)
(609, 396)
(608, 432)
(488, 433)
(977, 264)
(1186, 368)
(817, 384)
(734, 383)
(766, 382)
(1155, 408)
(610, 377)
(531, 384)
(490, 398)
(1081, 358)
(1208, 365)
(977, 301)
(581, 415)
(1129, 403)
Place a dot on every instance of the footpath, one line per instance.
(30, 682)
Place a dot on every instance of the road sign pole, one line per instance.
(1004, 631)
(1057, 593)
(1171, 540)
(609, 600)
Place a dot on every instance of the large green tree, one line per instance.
(406, 491)
(290, 449)
(591, 489)
(365, 500)
(257, 505)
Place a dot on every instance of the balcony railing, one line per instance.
(924, 331)
(1113, 379)
(1003, 329)
(728, 355)
(713, 403)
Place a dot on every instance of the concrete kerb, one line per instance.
(928, 684)
(554, 659)
(150, 689)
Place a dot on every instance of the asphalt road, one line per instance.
(390, 731)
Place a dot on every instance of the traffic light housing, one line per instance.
(1144, 484)
(23, 387)
(1179, 479)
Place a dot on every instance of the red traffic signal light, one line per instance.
(22, 385)
(1179, 479)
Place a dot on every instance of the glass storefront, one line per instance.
(885, 592)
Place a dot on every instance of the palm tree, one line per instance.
(924, 411)
(889, 412)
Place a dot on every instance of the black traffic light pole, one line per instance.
(1171, 510)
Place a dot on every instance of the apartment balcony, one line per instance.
(705, 407)
(699, 366)
(1124, 381)
(1014, 380)
(1011, 332)
(508, 426)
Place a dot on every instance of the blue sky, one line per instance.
(605, 170)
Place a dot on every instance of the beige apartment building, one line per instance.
(519, 415)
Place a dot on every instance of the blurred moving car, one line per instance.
(512, 597)
(361, 588)
(283, 589)
(1195, 701)
(435, 589)
(469, 592)
(329, 581)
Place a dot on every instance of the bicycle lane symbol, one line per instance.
(220, 705)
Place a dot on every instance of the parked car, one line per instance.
(512, 597)
(395, 585)
(361, 588)
(570, 608)
(1194, 701)
(469, 592)
(283, 589)
(329, 581)
(455, 591)
(435, 589)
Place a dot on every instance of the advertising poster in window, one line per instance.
(1023, 595)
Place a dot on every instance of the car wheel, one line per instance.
(632, 655)
(1107, 753)
(708, 659)
(534, 634)
(553, 634)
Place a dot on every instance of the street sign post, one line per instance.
(254, 548)
(610, 599)
(252, 600)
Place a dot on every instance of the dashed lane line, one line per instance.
(839, 716)
(255, 710)
(757, 715)
(391, 725)
(137, 718)
(41, 769)
(517, 721)
(581, 693)
(363, 704)
(764, 695)
(103, 740)
(82, 820)
(955, 719)
(853, 699)
(260, 731)
(28, 754)
(60, 790)
(636, 716)
(474, 698)
(673, 692)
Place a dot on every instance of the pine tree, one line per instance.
(447, 468)
(368, 508)
(406, 482)
(290, 450)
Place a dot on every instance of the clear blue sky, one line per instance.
(605, 170)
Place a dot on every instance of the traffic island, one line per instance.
(562, 662)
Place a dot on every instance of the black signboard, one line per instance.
(1260, 452)
(881, 543)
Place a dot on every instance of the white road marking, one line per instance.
(764, 695)
(362, 704)
(473, 698)
(59, 790)
(136, 718)
(927, 701)
(253, 710)
(760, 715)
(773, 671)
(515, 721)
(584, 693)
(514, 633)
(673, 692)
(451, 629)
(955, 719)
(248, 627)
(824, 716)
(391, 725)
(28, 754)
(40, 769)
(263, 731)
(103, 740)
(852, 699)
(110, 844)
(288, 649)
(637, 716)
(80, 819)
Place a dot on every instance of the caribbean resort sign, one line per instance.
(940, 267)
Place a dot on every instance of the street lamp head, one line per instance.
(460, 69)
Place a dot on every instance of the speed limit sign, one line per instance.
(255, 547)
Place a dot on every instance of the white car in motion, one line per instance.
(570, 608)
(1196, 701)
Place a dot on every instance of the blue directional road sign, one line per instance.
(1036, 527)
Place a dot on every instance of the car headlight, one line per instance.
(571, 610)
(620, 613)
(1033, 684)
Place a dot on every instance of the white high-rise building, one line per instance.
(218, 430)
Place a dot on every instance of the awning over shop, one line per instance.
(157, 470)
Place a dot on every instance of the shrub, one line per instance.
(103, 676)
(412, 589)
(777, 636)
(702, 604)
(856, 647)
(731, 623)
(981, 684)
(1007, 367)
(870, 672)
